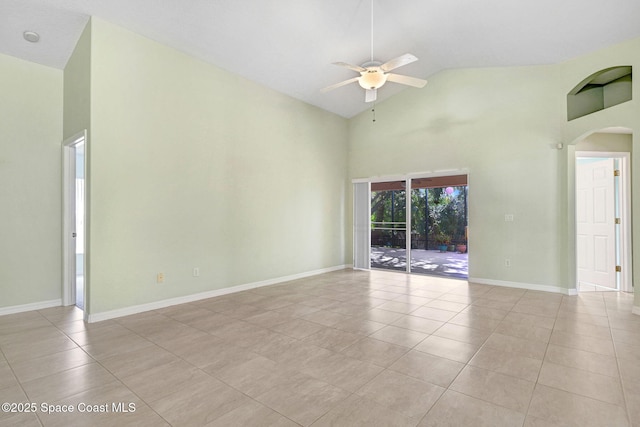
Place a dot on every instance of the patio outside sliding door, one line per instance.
(389, 225)
(439, 226)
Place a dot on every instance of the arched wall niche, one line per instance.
(601, 90)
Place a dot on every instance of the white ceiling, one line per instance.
(289, 45)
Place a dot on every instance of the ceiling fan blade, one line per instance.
(337, 85)
(350, 66)
(370, 95)
(406, 80)
(405, 59)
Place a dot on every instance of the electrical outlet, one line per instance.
(160, 278)
(196, 272)
(507, 262)
(508, 217)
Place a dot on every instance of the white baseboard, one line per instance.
(156, 305)
(635, 310)
(519, 285)
(30, 307)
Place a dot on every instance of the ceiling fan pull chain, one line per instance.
(373, 111)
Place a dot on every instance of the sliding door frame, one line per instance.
(389, 178)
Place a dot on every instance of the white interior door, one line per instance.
(74, 288)
(79, 220)
(595, 222)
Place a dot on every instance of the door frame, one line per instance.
(68, 220)
(624, 196)
(407, 178)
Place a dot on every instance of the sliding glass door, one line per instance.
(423, 230)
(439, 226)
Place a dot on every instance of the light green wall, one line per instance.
(30, 175)
(625, 115)
(500, 124)
(195, 167)
(586, 102)
(608, 142)
(192, 166)
(617, 91)
(77, 87)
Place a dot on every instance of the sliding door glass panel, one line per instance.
(419, 219)
(389, 225)
(79, 222)
(439, 226)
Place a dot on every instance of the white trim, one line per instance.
(528, 286)
(603, 154)
(156, 305)
(30, 307)
(413, 175)
(360, 180)
(626, 247)
(635, 310)
(68, 188)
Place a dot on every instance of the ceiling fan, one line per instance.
(374, 74)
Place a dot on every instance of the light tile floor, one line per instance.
(346, 348)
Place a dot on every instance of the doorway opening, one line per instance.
(421, 231)
(603, 222)
(74, 288)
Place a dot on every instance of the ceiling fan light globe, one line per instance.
(372, 79)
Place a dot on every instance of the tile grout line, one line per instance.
(622, 381)
(535, 385)
(205, 372)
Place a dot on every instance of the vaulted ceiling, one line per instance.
(289, 45)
